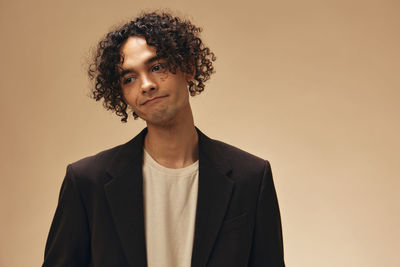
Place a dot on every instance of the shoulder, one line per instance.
(248, 171)
(235, 153)
(96, 167)
(92, 169)
(236, 159)
(237, 156)
(96, 161)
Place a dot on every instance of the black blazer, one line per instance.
(99, 219)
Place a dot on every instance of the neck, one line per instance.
(174, 145)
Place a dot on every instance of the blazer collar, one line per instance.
(125, 196)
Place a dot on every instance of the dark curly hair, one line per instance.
(175, 40)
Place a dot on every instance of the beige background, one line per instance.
(313, 86)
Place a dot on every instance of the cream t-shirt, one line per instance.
(170, 199)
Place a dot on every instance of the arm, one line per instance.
(267, 247)
(68, 240)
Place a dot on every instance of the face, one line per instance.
(155, 94)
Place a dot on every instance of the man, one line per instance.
(171, 196)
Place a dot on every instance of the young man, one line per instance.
(170, 197)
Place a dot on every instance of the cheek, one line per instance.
(129, 96)
(163, 76)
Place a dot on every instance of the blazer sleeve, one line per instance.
(68, 239)
(267, 247)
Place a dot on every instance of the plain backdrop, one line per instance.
(312, 86)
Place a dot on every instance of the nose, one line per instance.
(148, 84)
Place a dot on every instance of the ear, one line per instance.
(190, 76)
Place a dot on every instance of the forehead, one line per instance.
(136, 52)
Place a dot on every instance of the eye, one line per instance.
(158, 68)
(128, 80)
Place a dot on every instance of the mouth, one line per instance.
(153, 100)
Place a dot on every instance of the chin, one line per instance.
(163, 119)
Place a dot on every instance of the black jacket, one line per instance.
(99, 219)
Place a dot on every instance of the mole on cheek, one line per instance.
(164, 77)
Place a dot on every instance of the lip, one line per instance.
(153, 99)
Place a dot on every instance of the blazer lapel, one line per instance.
(125, 197)
(214, 193)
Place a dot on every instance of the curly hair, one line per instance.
(175, 40)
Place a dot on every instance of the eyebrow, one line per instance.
(148, 62)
